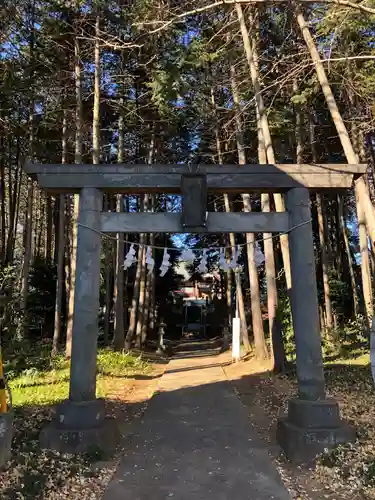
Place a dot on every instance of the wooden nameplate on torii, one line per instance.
(194, 200)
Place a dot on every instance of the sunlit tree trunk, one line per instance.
(78, 160)
(153, 312)
(61, 247)
(232, 240)
(265, 153)
(353, 280)
(28, 229)
(13, 204)
(96, 109)
(257, 322)
(251, 57)
(142, 296)
(229, 274)
(108, 295)
(275, 331)
(229, 285)
(365, 262)
(134, 309)
(148, 313)
(366, 213)
(363, 239)
(146, 307)
(152, 280)
(120, 313)
(2, 200)
(322, 236)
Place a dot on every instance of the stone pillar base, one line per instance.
(81, 428)
(311, 427)
(6, 434)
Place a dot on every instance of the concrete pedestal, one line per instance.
(313, 423)
(6, 435)
(311, 427)
(81, 428)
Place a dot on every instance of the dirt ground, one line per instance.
(38, 474)
(347, 473)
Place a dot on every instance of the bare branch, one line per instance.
(219, 3)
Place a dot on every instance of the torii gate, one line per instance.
(313, 422)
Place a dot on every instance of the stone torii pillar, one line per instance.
(80, 421)
(313, 422)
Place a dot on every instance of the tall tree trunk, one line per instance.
(78, 160)
(61, 246)
(227, 208)
(251, 57)
(142, 284)
(120, 313)
(298, 126)
(322, 235)
(141, 321)
(39, 227)
(153, 311)
(365, 262)
(30, 184)
(148, 313)
(11, 242)
(363, 240)
(257, 322)
(232, 240)
(96, 154)
(265, 152)
(146, 308)
(353, 281)
(366, 213)
(275, 327)
(60, 275)
(324, 260)
(152, 280)
(28, 229)
(2, 200)
(14, 201)
(135, 298)
(96, 108)
(229, 285)
(48, 239)
(108, 296)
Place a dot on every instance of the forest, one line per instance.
(163, 82)
(144, 82)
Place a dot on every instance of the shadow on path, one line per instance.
(195, 442)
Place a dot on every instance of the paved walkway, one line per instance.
(195, 442)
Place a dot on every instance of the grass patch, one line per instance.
(38, 382)
(37, 379)
(120, 364)
(358, 358)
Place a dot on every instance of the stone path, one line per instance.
(195, 442)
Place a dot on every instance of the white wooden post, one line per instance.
(236, 336)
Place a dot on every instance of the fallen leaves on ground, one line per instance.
(35, 474)
(348, 472)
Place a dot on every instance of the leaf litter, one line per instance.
(345, 473)
(33, 473)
